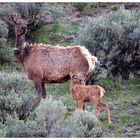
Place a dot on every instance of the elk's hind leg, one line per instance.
(105, 107)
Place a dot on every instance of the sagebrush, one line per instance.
(114, 39)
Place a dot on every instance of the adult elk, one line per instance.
(49, 64)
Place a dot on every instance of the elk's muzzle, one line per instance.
(16, 50)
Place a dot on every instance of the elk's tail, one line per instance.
(102, 92)
(94, 59)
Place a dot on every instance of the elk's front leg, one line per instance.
(38, 87)
(44, 93)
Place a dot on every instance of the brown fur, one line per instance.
(88, 93)
(50, 64)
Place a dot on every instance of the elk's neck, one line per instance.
(20, 41)
(72, 86)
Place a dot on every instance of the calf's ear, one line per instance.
(30, 19)
(71, 75)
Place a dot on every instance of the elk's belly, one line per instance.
(56, 79)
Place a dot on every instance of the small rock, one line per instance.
(48, 19)
(130, 124)
(69, 37)
(128, 134)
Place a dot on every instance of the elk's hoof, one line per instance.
(43, 100)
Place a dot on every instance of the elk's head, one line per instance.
(20, 29)
(21, 24)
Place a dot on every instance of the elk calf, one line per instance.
(88, 93)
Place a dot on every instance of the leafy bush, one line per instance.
(38, 124)
(6, 30)
(56, 10)
(80, 5)
(98, 74)
(5, 11)
(15, 94)
(86, 8)
(3, 29)
(54, 111)
(85, 124)
(3, 40)
(27, 9)
(48, 34)
(114, 39)
(54, 34)
(15, 81)
(3, 130)
(79, 124)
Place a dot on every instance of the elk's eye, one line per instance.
(20, 31)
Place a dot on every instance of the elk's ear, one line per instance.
(14, 18)
(71, 75)
(30, 19)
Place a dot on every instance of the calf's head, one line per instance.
(77, 79)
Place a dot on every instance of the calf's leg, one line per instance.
(84, 106)
(80, 105)
(95, 102)
(105, 107)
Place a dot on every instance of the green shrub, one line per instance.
(56, 10)
(49, 34)
(3, 29)
(3, 130)
(85, 124)
(16, 127)
(27, 9)
(80, 5)
(15, 81)
(87, 8)
(54, 111)
(90, 9)
(38, 124)
(61, 131)
(79, 124)
(98, 74)
(114, 39)
(5, 11)
(16, 94)
(3, 41)
(103, 4)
